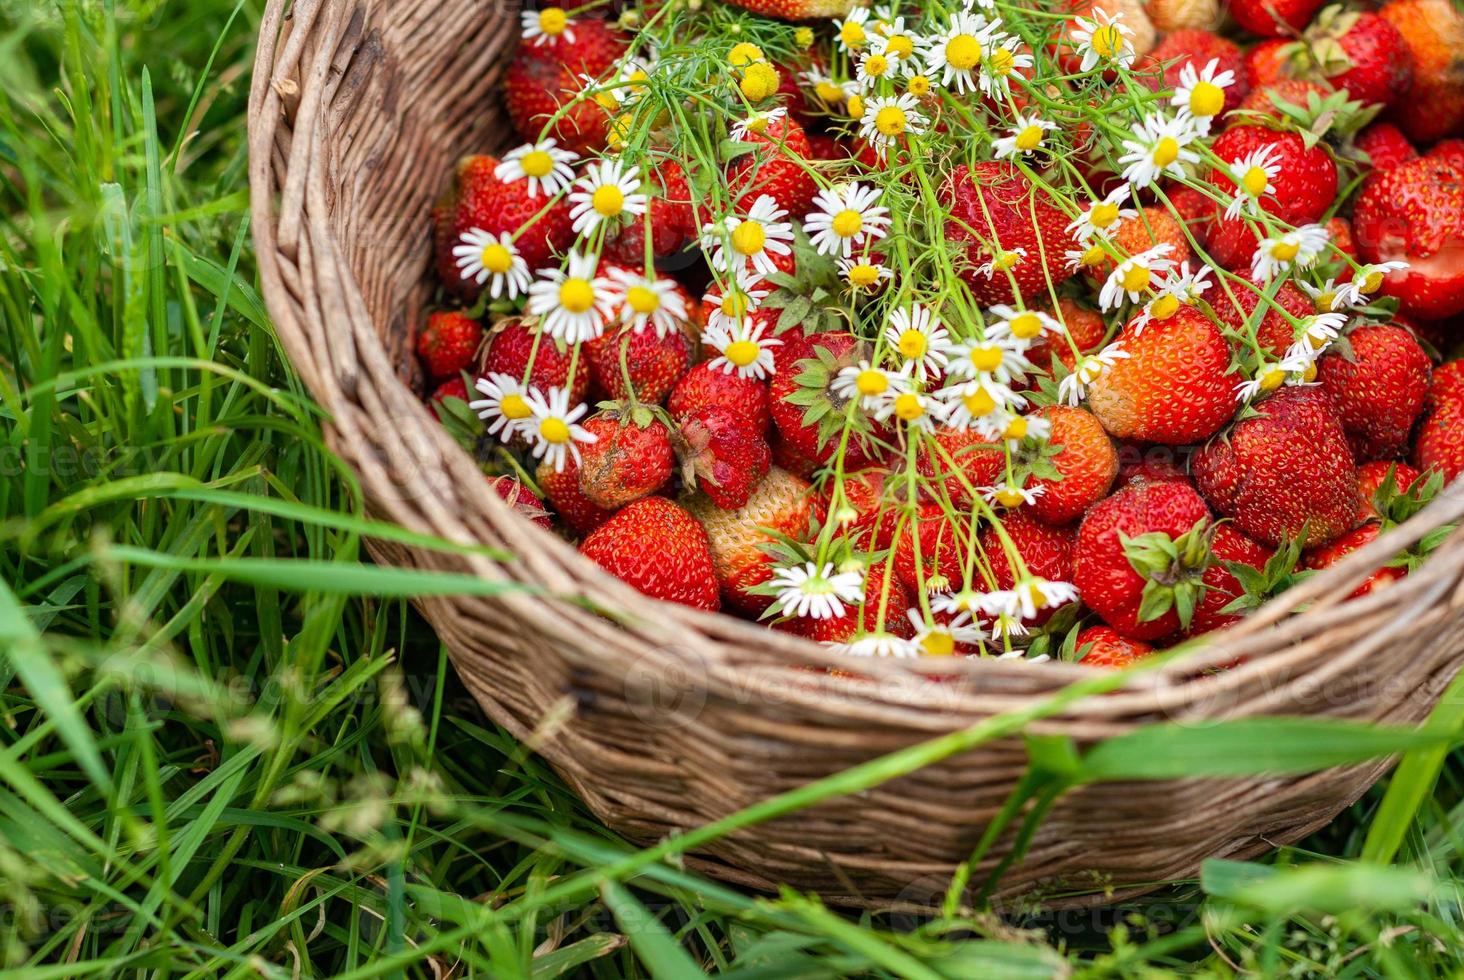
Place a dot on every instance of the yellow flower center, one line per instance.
(1316, 341)
(1166, 151)
(900, 46)
(803, 37)
(609, 200)
(1010, 497)
(496, 258)
(1372, 282)
(749, 237)
(864, 274)
(757, 124)
(1285, 251)
(759, 81)
(1255, 181)
(553, 21)
(734, 305)
(1107, 41)
(537, 163)
(1103, 214)
(912, 344)
(1272, 378)
(938, 644)
(876, 65)
(1026, 326)
(871, 382)
(742, 352)
(855, 106)
(890, 121)
(852, 33)
(1135, 278)
(513, 407)
(1016, 428)
(1035, 596)
(986, 358)
(908, 407)
(1029, 138)
(608, 100)
(744, 54)
(1164, 306)
(979, 403)
(1206, 99)
(1001, 62)
(642, 299)
(828, 92)
(1005, 261)
(621, 128)
(554, 430)
(963, 52)
(918, 86)
(576, 295)
(848, 223)
(1325, 301)
(1310, 374)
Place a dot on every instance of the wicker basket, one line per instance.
(670, 718)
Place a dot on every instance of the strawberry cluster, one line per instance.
(988, 329)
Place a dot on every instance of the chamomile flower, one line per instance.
(1299, 248)
(1078, 259)
(898, 44)
(823, 86)
(608, 192)
(1002, 261)
(1023, 325)
(847, 216)
(1317, 332)
(920, 338)
(735, 243)
(917, 409)
(1025, 136)
(1159, 147)
(852, 32)
(1201, 93)
(876, 65)
(935, 639)
(982, 404)
(573, 304)
(865, 273)
(492, 259)
(1008, 495)
(552, 430)
(1028, 597)
(756, 123)
(815, 591)
(1020, 427)
(731, 302)
(877, 645)
(504, 405)
(546, 166)
(745, 349)
(1074, 388)
(1004, 57)
(889, 118)
(1180, 288)
(1252, 175)
(954, 54)
(999, 356)
(1367, 280)
(543, 26)
(1104, 39)
(1269, 376)
(1133, 276)
(647, 300)
(870, 384)
(967, 602)
(1102, 218)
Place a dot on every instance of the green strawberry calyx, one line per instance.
(1172, 569)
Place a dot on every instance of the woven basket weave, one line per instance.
(669, 718)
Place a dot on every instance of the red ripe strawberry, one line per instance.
(1451, 151)
(1193, 46)
(1142, 466)
(478, 199)
(1045, 551)
(783, 503)
(512, 348)
(822, 146)
(1086, 328)
(1339, 229)
(802, 379)
(448, 344)
(1446, 385)
(1173, 387)
(658, 548)
(1271, 61)
(1152, 226)
(1139, 558)
(541, 82)
(995, 208)
(884, 609)
(797, 9)
(1362, 53)
(704, 386)
(875, 518)
(1415, 213)
(653, 363)
(1433, 31)
(1373, 474)
(563, 490)
(780, 167)
(941, 563)
(1379, 390)
(952, 459)
(1103, 646)
(1306, 186)
(1192, 208)
(451, 388)
(1440, 444)
(1385, 145)
(1273, 18)
(1221, 586)
(672, 220)
(521, 499)
(723, 454)
(1286, 469)
(1330, 554)
(1086, 459)
(1274, 333)
(626, 461)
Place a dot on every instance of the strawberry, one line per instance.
(516, 343)
(958, 462)
(540, 82)
(1192, 208)
(941, 563)
(1151, 226)
(797, 9)
(1373, 474)
(1142, 466)
(448, 344)
(873, 519)
(779, 166)
(1172, 388)
(1327, 555)
(479, 200)
(1085, 460)
(1271, 61)
(1197, 47)
(704, 386)
(782, 503)
(451, 388)
(1273, 18)
(723, 454)
(1362, 53)
(1446, 386)
(1433, 32)
(1339, 229)
(1385, 145)
(630, 458)
(1451, 151)
(1045, 551)
(1235, 304)
(790, 459)
(563, 491)
(1440, 443)
(1305, 187)
(1221, 586)
(1103, 646)
(1140, 556)
(1378, 390)
(884, 609)
(1086, 328)
(671, 216)
(652, 363)
(521, 499)
(1415, 213)
(807, 412)
(1283, 472)
(658, 548)
(995, 209)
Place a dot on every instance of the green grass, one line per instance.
(212, 766)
